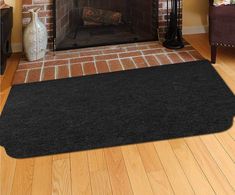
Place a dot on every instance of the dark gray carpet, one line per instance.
(115, 109)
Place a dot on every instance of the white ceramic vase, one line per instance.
(35, 37)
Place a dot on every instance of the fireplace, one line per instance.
(156, 9)
(86, 23)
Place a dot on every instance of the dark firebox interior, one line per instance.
(137, 22)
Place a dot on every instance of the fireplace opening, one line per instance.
(86, 23)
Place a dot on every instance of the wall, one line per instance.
(17, 29)
(195, 16)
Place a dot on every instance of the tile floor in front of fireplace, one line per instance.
(81, 62)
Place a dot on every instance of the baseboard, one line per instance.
(16, 47)
(195, 30)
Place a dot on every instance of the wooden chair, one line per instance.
(221, 27)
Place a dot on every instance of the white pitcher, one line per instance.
(35, 37)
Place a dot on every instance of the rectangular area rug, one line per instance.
(115, 109)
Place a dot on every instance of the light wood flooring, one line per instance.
(197, 165)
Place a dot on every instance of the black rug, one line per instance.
(115, 109)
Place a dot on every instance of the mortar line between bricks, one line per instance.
(171, 61)
(191, 55)
(122, 65)
(160, 63)
(42, 69)
(180, 56)
(26, 76)
(96, 69)
(83, 71)
(108, 65)
(69, 67)
(134, 63)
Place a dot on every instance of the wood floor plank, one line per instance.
(191, 168)
(42, 176)
(228, 68)
(7, 78)
(61, 177)
(154, 169)
(23, 178)
(81, 184)
(117, 172)
(217, 179)
(231, 132)
(222, 159)
(100, 181)
(7, 171)
(228, 143)
(135, 168)
(177, 178)
(229, 81)
(61, 156)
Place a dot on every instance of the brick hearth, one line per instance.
(81, 62)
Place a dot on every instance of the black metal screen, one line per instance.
(87, 23)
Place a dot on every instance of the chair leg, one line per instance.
(213, 54)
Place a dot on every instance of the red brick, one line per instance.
(48, 73)
(80, 60)
(63, 72)
(56, 62)
(186, 57)
(128, 64)
(19, 77)
(111, 51)
(163, 59)
(152, 61)
(115, 65)
(30, 65)
(106, 57)
(174, 58)
(67, 56)
(76, 70)
(90, 53)
(34, 75)
(152, 51)
(102, 67)
(129, 54)
(136, 48)
(89, 68)
(140, 62)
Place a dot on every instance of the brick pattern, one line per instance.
(81, 62)
(46, 15)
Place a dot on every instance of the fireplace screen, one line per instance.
(85, 23)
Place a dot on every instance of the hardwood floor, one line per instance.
(196, 165)
(6, 79)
